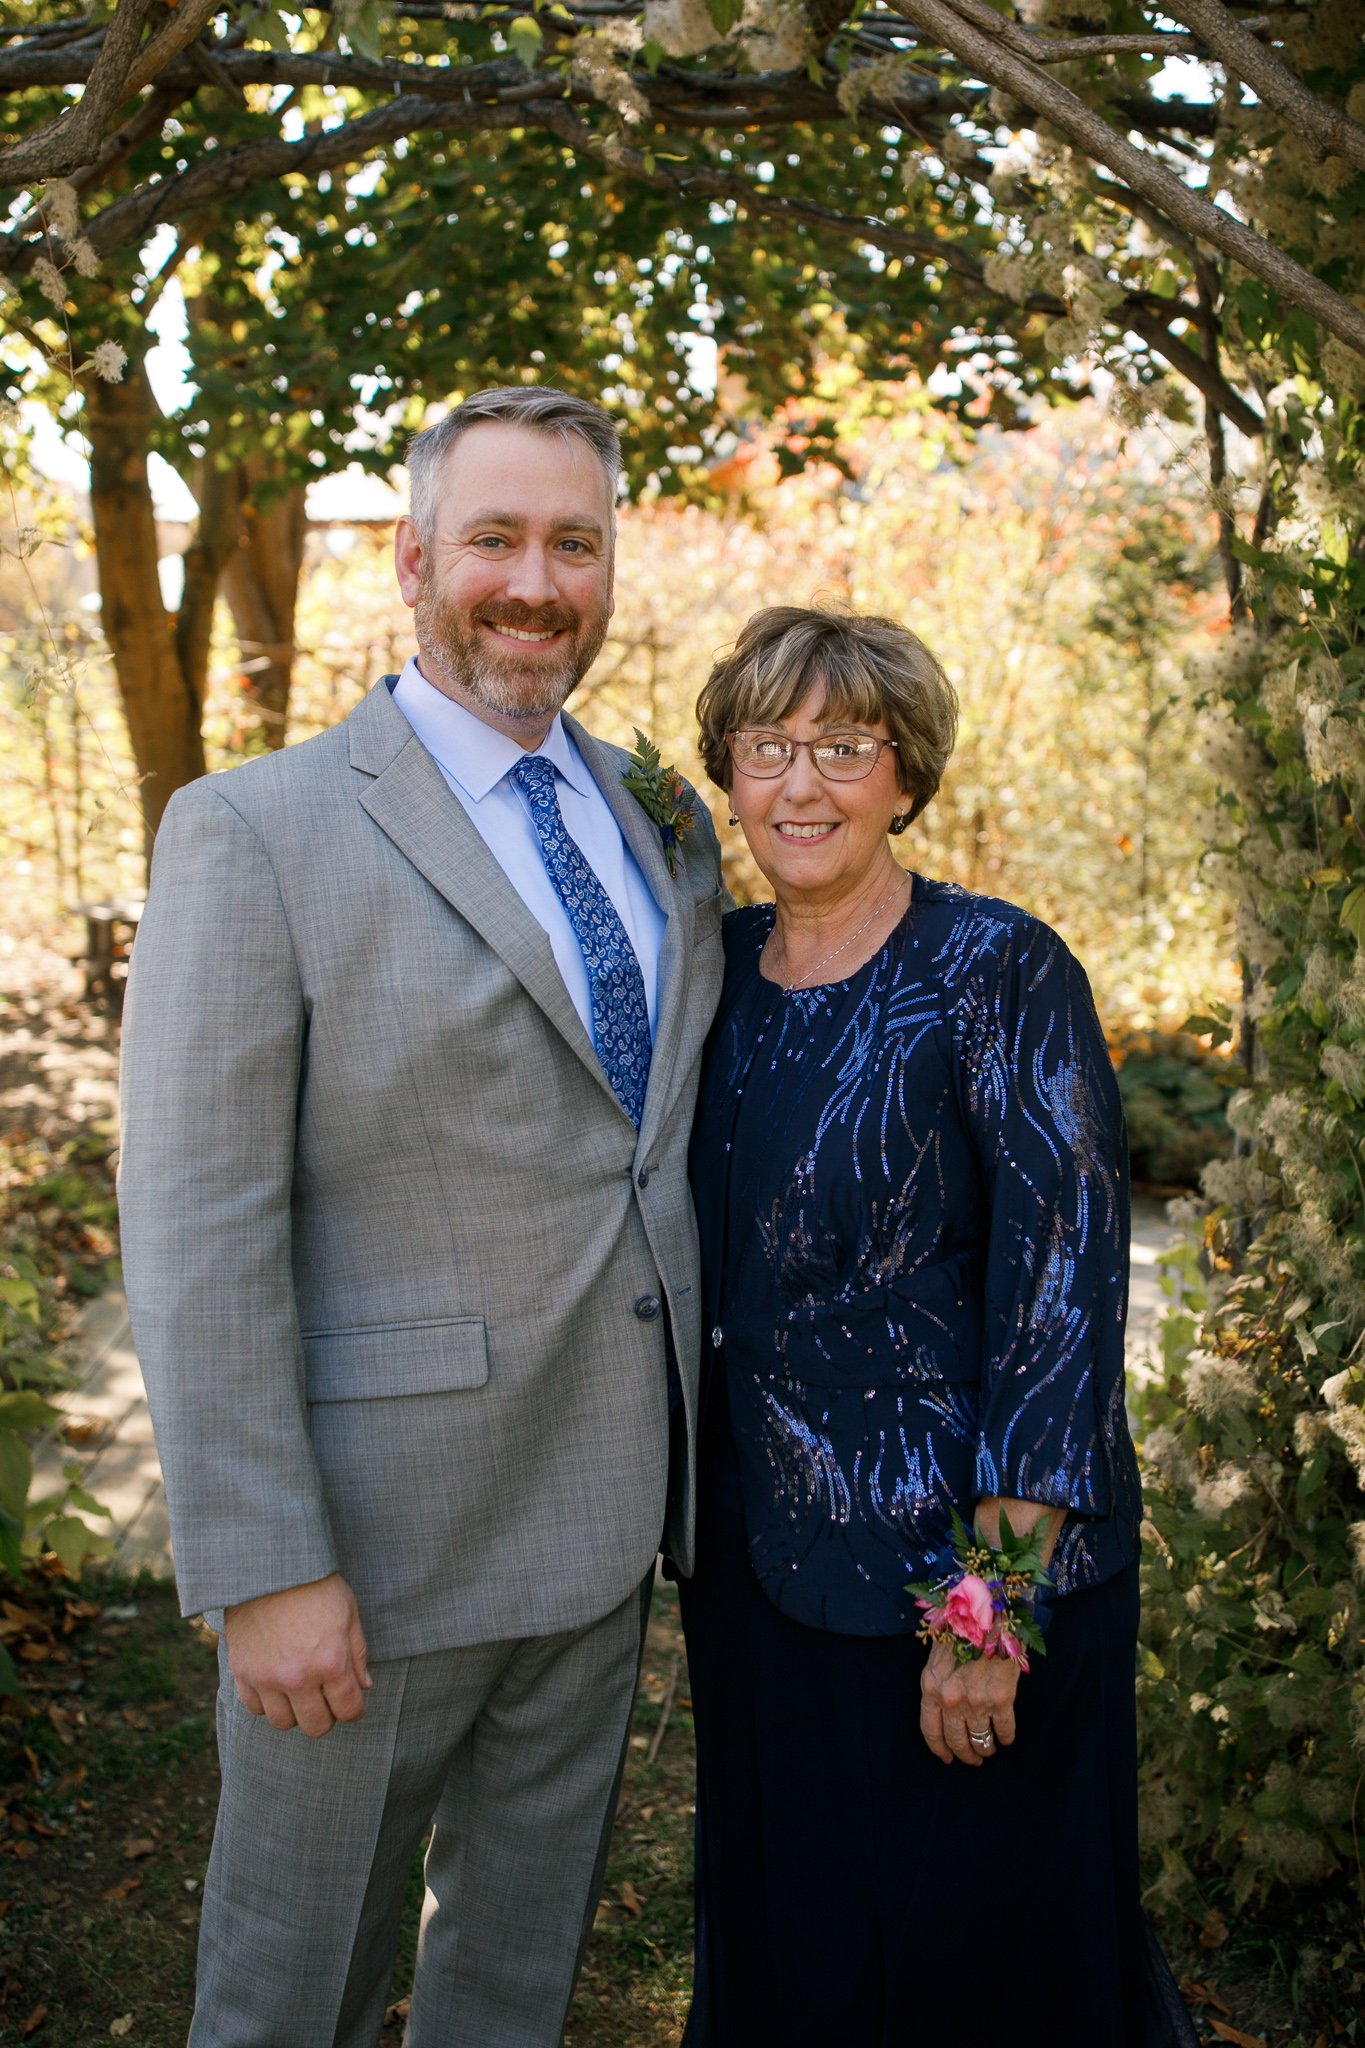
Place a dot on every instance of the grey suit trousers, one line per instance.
(517, 1750)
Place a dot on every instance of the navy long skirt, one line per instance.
(853, 1890)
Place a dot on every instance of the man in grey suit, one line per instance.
(411, 1046)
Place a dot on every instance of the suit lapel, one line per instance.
(412, 805)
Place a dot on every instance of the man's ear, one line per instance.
(407, 559)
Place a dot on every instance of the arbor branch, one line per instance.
(985, 52)
(74, 137)
(1274, 84)
(763, 203)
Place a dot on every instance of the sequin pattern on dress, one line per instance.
(913, 1206)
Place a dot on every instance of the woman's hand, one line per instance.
(959, 1700)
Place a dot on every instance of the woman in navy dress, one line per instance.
(909, 1171)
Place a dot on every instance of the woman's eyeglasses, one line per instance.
(841, 757)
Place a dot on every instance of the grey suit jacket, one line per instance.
(391, 1245)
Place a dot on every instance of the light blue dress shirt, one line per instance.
(475, 760)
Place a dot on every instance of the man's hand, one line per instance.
(298, 1657)
(957, 1700)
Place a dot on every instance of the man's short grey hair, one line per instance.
(538, 406)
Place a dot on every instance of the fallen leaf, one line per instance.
(35, 1653)
(33, 2022)
(1214, 1931)
(122, 1890)
(135, 1717)
(84, 1432)
(138, 1846)
(398, 2011)
(646, 1813)
(121, 2026)
(629, 1897)
(1227, 2033)
(24, 1849)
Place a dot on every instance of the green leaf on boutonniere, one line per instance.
(662, 795)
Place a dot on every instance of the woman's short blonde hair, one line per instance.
(873, 670)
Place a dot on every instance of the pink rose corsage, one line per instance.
(984, 1607)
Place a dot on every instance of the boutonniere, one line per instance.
(662, 795)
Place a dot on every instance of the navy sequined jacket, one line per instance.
(912, 1195)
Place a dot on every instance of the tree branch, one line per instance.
(1274, 84)
(984, 51)
(763, 203)
(184, 25)
(74, 137)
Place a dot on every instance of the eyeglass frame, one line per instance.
(759, 775)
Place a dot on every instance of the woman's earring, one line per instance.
(899, 822)
(733, 819)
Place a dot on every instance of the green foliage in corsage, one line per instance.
(983, 1608)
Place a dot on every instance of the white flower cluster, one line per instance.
(1342, 1398)
(1221, 1490)
(109, 362)
(1164, 1454)
(1230, 754)
(1334, 744)
(1217, 1386)
(775, 34)
(879, 79)
(599, 69)
(1238, 1185)
(683, 28)
(1345, 1064)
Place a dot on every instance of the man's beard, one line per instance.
(533, 689)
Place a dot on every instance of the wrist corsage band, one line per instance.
(985, 1605)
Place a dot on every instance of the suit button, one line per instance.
(642, 1177)
(647, 1307)
(717, 1337)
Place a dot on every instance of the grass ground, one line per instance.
(108, 1786)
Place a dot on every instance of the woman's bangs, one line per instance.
(851, 693)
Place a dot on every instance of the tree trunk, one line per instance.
(261, 583)
(160, 702)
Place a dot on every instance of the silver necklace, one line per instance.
(806, 979)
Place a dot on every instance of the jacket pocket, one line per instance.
(385, 1360)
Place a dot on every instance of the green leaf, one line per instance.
(725, 14)
(16, 1470)
(22, 1296)
(526, 39)
(10, 1687)
(70, 1540)
(77, 1497)
(26, 1411)
(1353, 915)
(11, 1548)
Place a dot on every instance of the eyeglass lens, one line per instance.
(844, 757)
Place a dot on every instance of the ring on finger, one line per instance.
(980, 1738)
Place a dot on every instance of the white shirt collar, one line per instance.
(474, 754)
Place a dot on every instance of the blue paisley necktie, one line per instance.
(620, 1014)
